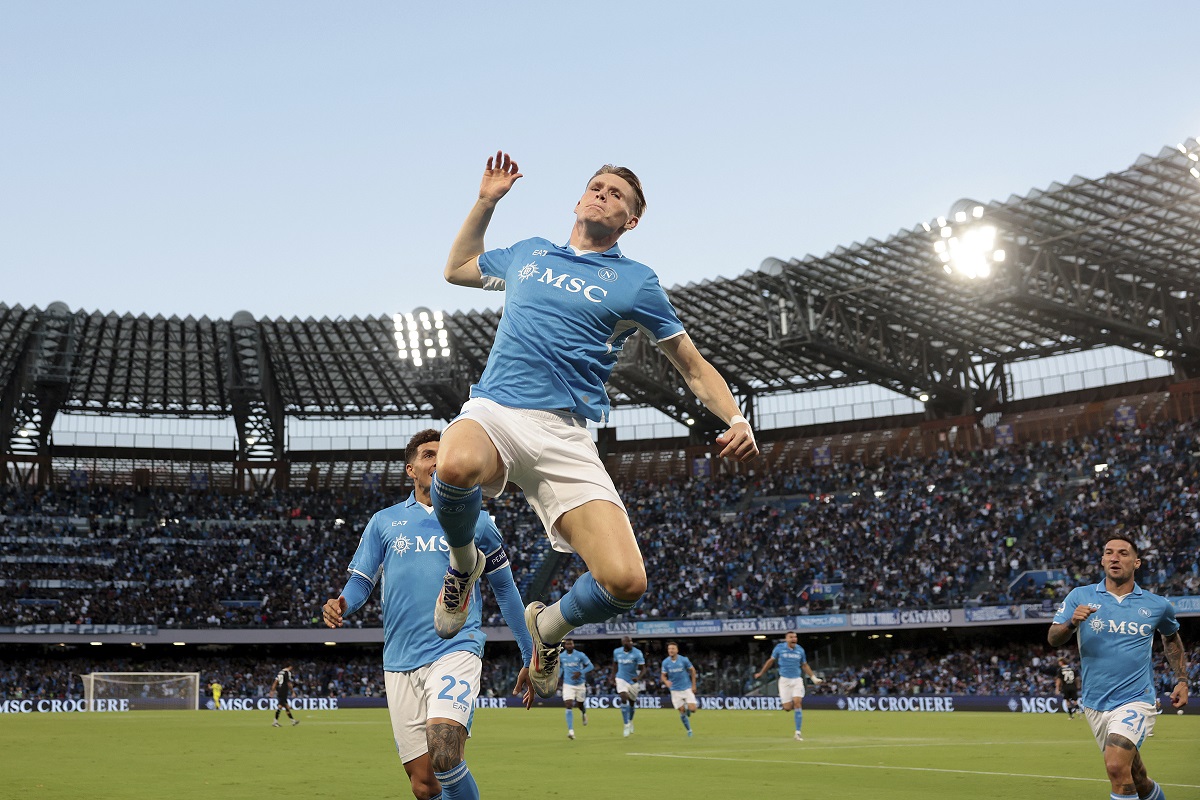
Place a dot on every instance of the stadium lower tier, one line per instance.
(998, 661)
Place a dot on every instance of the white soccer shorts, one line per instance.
(1134, 721)
(791, 689)
(576, 692)
(686, 697)
(625, 687)
(446, 688)
(549, 454)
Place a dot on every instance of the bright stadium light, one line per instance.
(422, 336)
(968, 246)
(923, 397)
(1159, 352)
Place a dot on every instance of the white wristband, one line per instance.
(736, 419)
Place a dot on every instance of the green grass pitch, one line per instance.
(743, 754)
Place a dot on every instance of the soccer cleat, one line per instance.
(276, 724)
(799, 738)
(628, 729)
(454, 601)
(631, 726)
(295, 722)
(570, 733)
(689, 733)
(543, 672)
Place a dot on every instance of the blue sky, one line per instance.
(316, 159)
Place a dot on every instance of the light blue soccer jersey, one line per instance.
(566, 318)
(1116, 643)
(628, 663)
(403, 547)
(789, 660)
(678, 672)
(573, 662)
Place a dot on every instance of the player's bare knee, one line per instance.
(424, 788)
(626, 584)
(460, 468)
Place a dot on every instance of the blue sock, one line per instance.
(686, 723)
(588, 601)
(457, 511)
(799, 715)
(625, 713)
(570, 718)
(1156, 794)
(458, 783)
(1116, 796)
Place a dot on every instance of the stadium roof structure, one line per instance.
(1113, 260)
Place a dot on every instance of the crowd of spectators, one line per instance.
(939, 667)
(950, 529)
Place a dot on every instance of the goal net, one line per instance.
(143, 690)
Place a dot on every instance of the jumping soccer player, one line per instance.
(568, 311)
(675, 672)
(1066, 683)
(791, 660)
(1114, 623)
(629, 665)
(431, 682)
(282, 688)
(574, 688)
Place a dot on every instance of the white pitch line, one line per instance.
(907, 769)
(930, 743)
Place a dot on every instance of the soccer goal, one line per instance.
(144, 691)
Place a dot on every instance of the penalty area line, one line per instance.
(905, 769)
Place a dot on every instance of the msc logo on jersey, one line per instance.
(1096, 624)
(607, 274)
(573, 285)
(401, 545)
(528, 271)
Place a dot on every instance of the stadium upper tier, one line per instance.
(1099, 261)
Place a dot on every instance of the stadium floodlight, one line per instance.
(421, 335)
(923, 397)
(967, 245)
(1159, 352)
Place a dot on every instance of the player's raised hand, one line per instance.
(499, 177)
(332, 612)
(738, 442)
(524, 688)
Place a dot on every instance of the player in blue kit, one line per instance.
(1114, 622)
(793, 665)
(679, 676)
(629, 666)
(431, 682)
(574, 686)
(568, 310)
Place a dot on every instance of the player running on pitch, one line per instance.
(575, 665)
(679, 676)
(791, 660)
